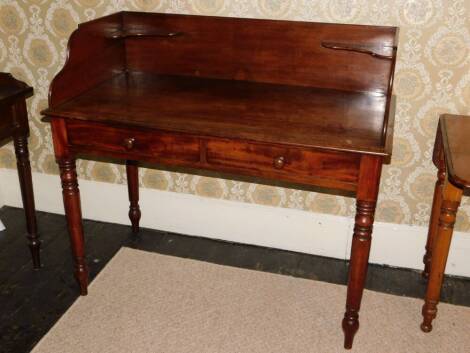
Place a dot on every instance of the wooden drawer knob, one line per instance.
(279, 162)
(129, 143)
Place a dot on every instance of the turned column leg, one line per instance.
(451, 197)
(438, 160)
(27, 194)
(433, 222)
(369, 178)
(358, 268)
(71, 194)
(132, 170)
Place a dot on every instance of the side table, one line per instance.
(452, 158)
(14, 125)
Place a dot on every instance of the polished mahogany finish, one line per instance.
(340, 120)
(279, 52)
(452, 159)
(14, 125)
(309, 103)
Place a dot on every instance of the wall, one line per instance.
(432, 76)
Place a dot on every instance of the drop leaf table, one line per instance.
(452, 158)
(14, 125)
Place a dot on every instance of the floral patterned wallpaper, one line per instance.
(432, 76)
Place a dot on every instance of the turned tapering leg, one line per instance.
(358, 268)
(451, 197)
(433, 222)
(369, 178)
(71, 194)
(438, 160)
(27, 194)
(132, 170)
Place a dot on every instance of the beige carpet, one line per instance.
(145, 302)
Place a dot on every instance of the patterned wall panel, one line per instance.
(433, 76)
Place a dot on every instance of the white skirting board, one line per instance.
(307, 232)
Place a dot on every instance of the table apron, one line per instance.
(309, 166)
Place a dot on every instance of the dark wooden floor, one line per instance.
(32, 301)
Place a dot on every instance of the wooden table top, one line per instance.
(455, 131)
(270, 113)
(10, 87)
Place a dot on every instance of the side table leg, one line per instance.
(366, 199)
(358, 268)
(132, 170)
(27, 194)
(73, 213)
(433, 222)
(438, 160)
(451, 197)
